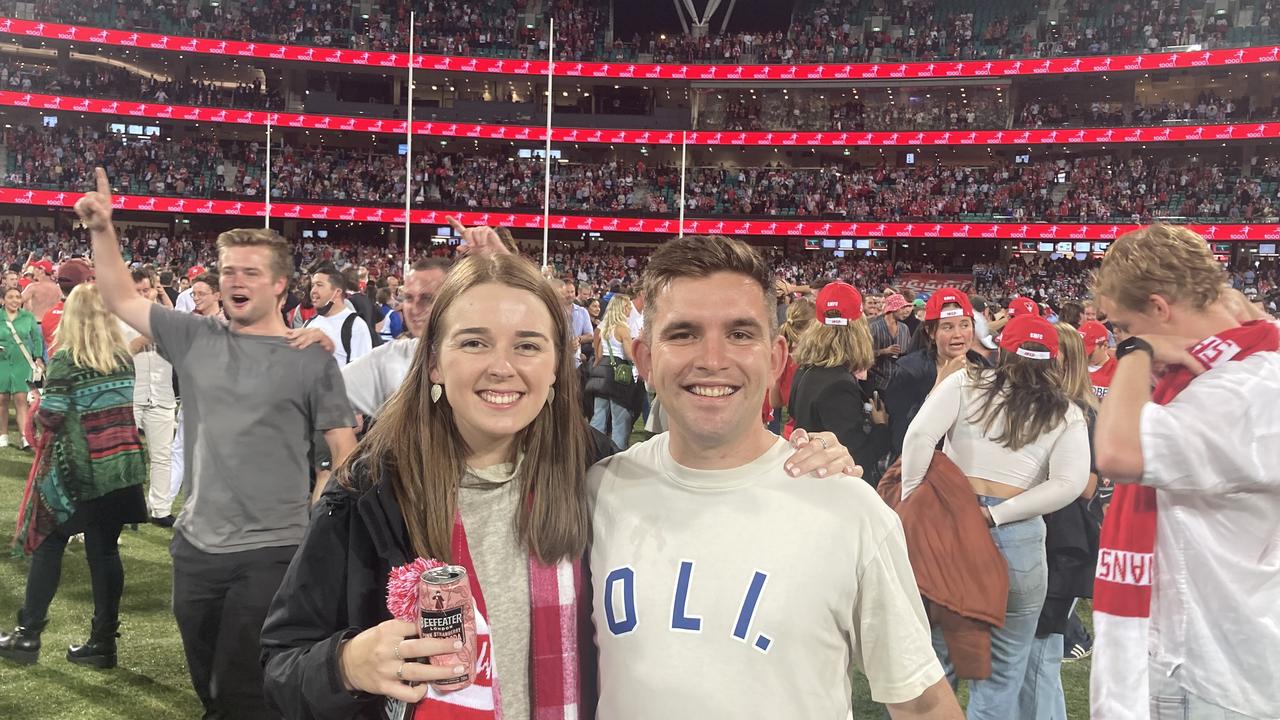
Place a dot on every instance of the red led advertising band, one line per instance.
(159, 111)
(1058, 233)
(668, 71)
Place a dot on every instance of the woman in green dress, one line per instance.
(18, 332)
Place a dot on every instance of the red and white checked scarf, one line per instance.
(1126, 556)
(554, 618)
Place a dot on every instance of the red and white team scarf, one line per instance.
(553, 644)
(1126, 557)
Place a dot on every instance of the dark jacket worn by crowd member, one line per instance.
(911, 384)
(833, 400)
(338, 588)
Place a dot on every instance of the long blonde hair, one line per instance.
(417, 449)
(1075, 367)
(800, 315)
(848, 346)
(90, 334)
(617, 314)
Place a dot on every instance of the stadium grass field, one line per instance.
(151, 681)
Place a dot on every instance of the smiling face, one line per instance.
(250, 288)
(710, 355)
(497, 361)
(12, 299)
(323, 290)
(873, 306)
(205, 298)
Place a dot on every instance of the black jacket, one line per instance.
(832, 400)
(906, 392)
(335, 588)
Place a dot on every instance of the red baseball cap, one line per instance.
(839, 303)
(195, 271)
(44, 265)
(1023, 306)
(936, 308)
(1025, 329)
(1094, 334)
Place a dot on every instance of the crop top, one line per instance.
(1053, 470)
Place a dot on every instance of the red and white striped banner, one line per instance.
(1057, 233)
(669, 71)
(160, 111)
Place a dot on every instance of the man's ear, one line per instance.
(642, 354)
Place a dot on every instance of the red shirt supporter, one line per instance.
(70, 274)
(1101, 365)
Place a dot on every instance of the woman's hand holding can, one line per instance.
(390, 659)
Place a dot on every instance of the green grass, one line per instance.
(151, 681)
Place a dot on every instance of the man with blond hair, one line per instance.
(251, 402)
(1187, 598)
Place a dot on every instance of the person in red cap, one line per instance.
(70, 274)
(949, 330)
(185, 302)
(1101, 365)
(829, 391)
(1023, 306)
(43, 292)
(1024, 446)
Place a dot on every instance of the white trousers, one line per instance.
(157, 424)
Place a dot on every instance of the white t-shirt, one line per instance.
(184, 302)
(1211, 455)
(361, 342)
(374, 378)
(748, 593)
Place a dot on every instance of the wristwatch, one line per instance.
(1132, 343)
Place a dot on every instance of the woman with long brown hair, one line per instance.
(479, 460)
(1022, 442)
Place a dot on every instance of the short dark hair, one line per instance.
(166, 277)
(442, 264)
(699, 256)
(210, 279)
(140, 274)
(336, 278)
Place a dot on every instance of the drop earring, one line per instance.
(551, 395)
(436, 392)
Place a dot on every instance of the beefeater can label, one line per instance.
(446, 612)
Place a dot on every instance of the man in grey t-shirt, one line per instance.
(251, 402)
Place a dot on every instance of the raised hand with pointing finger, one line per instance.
(479, 240)
(94, 208)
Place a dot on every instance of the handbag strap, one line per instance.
(21, 345)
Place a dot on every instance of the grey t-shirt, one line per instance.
(250, 404)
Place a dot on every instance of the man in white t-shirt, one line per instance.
(722, 586)
(1187, 593)
(351, 339)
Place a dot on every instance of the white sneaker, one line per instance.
(4, 441)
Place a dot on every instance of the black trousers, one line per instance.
(106, 574)
(220, 602)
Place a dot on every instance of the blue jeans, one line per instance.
(1041, 697)
(612, 414)
(1022, 544)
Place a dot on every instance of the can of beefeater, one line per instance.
(446, 612)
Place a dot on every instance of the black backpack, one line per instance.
(347, 326)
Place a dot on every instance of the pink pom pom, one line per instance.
(402, 588)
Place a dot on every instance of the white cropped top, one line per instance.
(1053, 470)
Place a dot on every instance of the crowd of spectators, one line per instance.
(821, 31)
(1095, 188)
(1208, 107)
(86, 79)
(867, 109)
